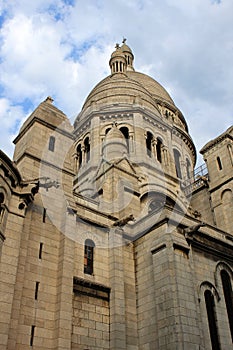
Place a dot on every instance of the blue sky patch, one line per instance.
(27, 105)
(3, 17)
(78, 51)
(56, 13)
(69, 2)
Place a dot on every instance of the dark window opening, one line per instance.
(40, 250)
(107, 130)
(51, 143)
(87, 148)
(121, 65)
(36, 290)
(89, 256)
(159, 150)
(79, 155)
(44, 214)
(149, 139)
(188, 165)
(2, 199)
(177, 163)
(219, 163)
(32, 335)
(125, 132)
(211, 315)
(228, 295)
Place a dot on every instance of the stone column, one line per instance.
(131, 144)
(153, 148)
(65, 275)
(11, 280)
(165, 156)
(83, 154)
(117, 297)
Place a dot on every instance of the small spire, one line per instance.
(124, 40)
(117, 46)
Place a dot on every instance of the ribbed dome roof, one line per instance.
(122, 89)
(155, 89)
(117, 52)
(126, 87)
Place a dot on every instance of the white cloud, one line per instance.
(10, 116)
(62, 48)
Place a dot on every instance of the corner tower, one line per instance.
(218, 155)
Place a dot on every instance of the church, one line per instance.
(110, 238)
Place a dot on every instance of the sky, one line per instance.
(61, 48)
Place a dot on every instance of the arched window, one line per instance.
(89, 256)
(125, 132)
(107, 130)
(87, 148)
(188, 165)
(212, 321)
(2, 199)
(158, 201)
(219, 163)
(177, 163)
(51, 143)
(227, 196)
(229, 147)
(79, 155)
(149, 139)
(159, 149)
(228, 295)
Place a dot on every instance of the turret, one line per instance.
(118, 61)
(218, 154)
(115, 146)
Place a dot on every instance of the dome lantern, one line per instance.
(118, 61)
(121, 59)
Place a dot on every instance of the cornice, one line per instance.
(28, 154)
(42, 122)
(186, 138)
(214, 142)
(10, 170)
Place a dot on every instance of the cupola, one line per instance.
(118, 61)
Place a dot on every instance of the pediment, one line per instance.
(122, 164)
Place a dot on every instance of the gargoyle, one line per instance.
(124, 221)
(188, 231)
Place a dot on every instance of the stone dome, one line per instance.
(126, 87)
(156, 90)
(117, 52)
(120, 89)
